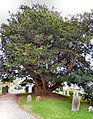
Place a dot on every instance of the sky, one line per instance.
(66, 7)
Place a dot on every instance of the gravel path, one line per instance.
(9, 109)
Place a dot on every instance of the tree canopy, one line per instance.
(39, 43)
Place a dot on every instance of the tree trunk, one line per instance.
(72, 64)
(41, 87)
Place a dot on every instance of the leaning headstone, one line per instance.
(38, 98)
(90, 109)
(29, 98)
(75, 102)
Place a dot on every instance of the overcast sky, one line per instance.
(64, 6)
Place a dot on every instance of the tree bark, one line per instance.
(41, 87)
(72, 64)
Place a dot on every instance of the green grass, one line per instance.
(56, 109)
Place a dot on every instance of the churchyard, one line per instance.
(44, 59)
(55, 108)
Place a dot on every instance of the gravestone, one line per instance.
(75, 102)
(90, 109)
(29, 98)
(38, 98)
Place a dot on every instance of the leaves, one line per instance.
(38, 36)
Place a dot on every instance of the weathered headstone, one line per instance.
(90, 109)
(75, 102)
(38, 98)
(29, 98)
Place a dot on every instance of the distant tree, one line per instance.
(39, 43)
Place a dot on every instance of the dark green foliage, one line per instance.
(39, 43)
(84, 79)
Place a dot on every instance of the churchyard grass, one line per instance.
(51, 108)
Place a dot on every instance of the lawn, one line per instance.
(50, 108)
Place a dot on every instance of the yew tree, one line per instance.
(38, 43)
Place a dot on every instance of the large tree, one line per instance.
(39, 43)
